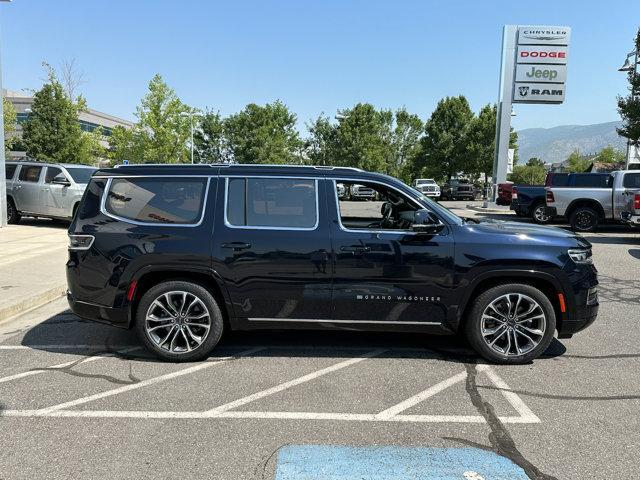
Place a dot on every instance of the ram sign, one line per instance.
(541, 60)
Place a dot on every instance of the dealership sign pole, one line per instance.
(534, 70)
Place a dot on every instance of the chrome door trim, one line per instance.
(364, 322)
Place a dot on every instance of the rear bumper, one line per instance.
(629, 218)
(118, 317)
(519, 208)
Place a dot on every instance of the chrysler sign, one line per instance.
(541, 58)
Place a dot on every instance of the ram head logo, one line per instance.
(523, 91)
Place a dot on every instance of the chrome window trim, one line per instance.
(107, 187)
(365, 230)
(264, 227)
(314, 320)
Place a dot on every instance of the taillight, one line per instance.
(636, 201)
(550, 197)
(514, 193)
(80, 242)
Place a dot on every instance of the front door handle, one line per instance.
(355, 249)
(236, 246)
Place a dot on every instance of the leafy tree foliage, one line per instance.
(610, 155)
(10, 120)
(320, 147)
(404, 146)
(576, 162)
(52, 132)
(629, 106)
(263, 134)
(162, 130)
(209, 139)
(443, 152)
(533, 173)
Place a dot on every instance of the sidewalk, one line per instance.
(32, 265)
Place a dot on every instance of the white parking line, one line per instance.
(59, 366)
(293, 383)
(144, 383)
(62, 347)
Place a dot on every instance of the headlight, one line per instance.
(582, 256)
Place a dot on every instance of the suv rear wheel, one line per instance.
(179, 321)
(539, 214)
(13, 216)
(584, 219)
(511, 324)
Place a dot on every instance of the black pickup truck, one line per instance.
(529, 201)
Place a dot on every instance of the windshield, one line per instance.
(81, 175)
(451, 217)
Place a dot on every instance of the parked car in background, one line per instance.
(457, 189)
(47, 190)
(427, 186)
(342, 191)
(361, 192)
(529, 201)
(183, 253)
(504, 193)
(591, 199)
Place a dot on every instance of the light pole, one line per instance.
(3, 183)
(190, 114)
(630, 66)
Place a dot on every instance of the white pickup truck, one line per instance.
(590, 199)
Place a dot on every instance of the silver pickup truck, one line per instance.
(591, 199)
(46, 190)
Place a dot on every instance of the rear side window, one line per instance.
(29, 173)
(631, 180)
(157, 200)
(9, 171)
(592, 180)
(272, 202)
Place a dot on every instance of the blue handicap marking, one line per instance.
(327, 462)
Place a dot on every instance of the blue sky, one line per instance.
(316, 56)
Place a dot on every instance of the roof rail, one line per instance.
(252, 165)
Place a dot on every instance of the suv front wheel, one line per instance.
(511, 324)
(179, 321)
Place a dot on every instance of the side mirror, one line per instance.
(61, 180)
(424, 222)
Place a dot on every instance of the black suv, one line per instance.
(458, 189)
(183, 253)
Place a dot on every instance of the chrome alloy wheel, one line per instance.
(513, 324)
(177, 322)
(540, 214)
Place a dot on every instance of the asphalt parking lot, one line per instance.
(81, 400)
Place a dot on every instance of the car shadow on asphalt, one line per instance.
(69, 334)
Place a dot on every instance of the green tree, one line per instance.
(576, 162)
(209, 139)
(52, 132)
(362, 138)
(404, 144)
(263, 134)
(535, 161)
(610, 155)
(480, 143)
(10, 121)
(443, 147)
(629, 106)
(529, 174)
(320, 146)
(162, 130)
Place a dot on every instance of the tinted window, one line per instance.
(631, 180)
(272, 202)
(591, 180)
(9, 171)
(559, 180)
(157, 200)
(29, 173)
(81, 175)
(52, 172)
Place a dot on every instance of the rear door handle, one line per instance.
(236, 246)
(355, 249)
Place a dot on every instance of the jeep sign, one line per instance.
(541, 73)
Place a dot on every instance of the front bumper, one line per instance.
(582, 299)
(118, 317)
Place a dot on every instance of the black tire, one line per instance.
(13, 216)
(473, 324)
(210, 339)
(539, 215)
(584, 219)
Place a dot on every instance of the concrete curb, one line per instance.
(476, 208)
(32, 303)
